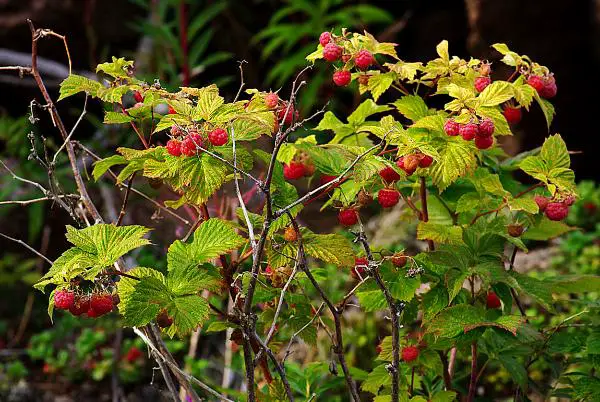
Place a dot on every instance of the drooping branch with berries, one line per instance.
(444, 301)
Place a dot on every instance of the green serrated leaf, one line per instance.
(412, 107)
(74, 84)
(496, 93)
(102, 166)
(213, 238)
(439, 233)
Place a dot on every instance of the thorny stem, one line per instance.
(396, 309)
(338, 346)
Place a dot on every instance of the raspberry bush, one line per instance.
(449, 306)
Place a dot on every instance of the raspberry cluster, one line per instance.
(555, 209)
(190, 143)
(94, 305)
(544, 85)
(333, 51)
(481, 132)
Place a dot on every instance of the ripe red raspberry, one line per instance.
(138, 96)
(452, 128)
(342, 78)
(324, 38)
(410, 353)
(100, 304)
(174, 147)
(80, 306)
(290, 234)
(293, 171)
(388, 197)
(332, 52)
(360, 266)
(389, 175)
(481, 83)
(378, 349)
(425, 161)
(163, 320)
(549, 90)
(218, 137)
(486, 128)
(469, 131)
(171, 110)
(271, 100)
(63, 299)
(268, 270)
(556, 211)
(542, 202)
(536, 82)
(189, 146)
(512, 114)
(493, 301)
(133, 354)
(484, 142)
(515, 230)
(348, 217)
(364, 59)
(399, 260)
(290, 115)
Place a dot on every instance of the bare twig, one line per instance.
(16, 177)
(28, 247)
(72, 130)
(125, 201)
(34, 200)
